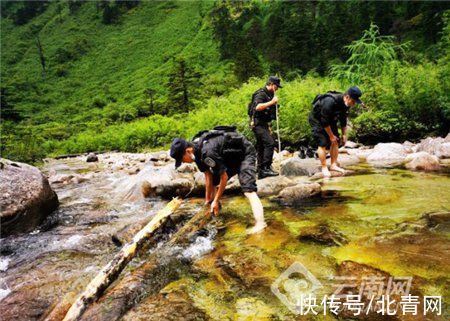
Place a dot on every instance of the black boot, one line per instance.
(272, 171)
(266, 172)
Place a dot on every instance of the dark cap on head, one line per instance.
(177, 150)
(355, 93)
(275, 80)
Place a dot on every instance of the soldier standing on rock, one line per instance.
(262, 110)
(327, 110)
(220, 154)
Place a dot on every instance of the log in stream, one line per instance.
(111, 271)
(151, 276)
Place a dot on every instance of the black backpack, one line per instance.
(317, 102)
(233, 147)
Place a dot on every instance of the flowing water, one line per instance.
(376, 219)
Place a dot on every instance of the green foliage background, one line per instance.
(131, 76)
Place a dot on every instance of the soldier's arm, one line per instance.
(215, 206)
(261, 105)
(209, 187)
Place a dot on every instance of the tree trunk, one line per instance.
(147, 279)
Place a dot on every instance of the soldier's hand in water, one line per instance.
(274, 100)
(215, 207)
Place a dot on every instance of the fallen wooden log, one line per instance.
(149, 278)
(110, 272)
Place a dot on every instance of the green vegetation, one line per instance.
(91, 76)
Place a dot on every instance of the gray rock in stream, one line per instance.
(92, 157)
(294, 194)
(296, 166)
(422, 161)
(438, 146)
(26, 197)
(388, 154)
(273, 185)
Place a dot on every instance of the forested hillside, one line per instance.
(81, 76)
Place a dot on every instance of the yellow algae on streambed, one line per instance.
(380, 217)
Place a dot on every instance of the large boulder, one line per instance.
(361, 153)
(167, 182)
(296, 166)
(422, 161)
(438, 146)
(388, 154)
(26, 197)
(273, 185)
(295, 194)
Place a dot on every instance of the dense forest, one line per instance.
(130, 75)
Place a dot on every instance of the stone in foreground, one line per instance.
(26, 197)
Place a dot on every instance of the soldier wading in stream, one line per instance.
(220, 154)
(327, 110)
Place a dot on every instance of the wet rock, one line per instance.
(388, 154)
(77, 179)
(293, 194)
(309, 166)
(253, 309)
(251, 265)
(408, 144)
(360, 274)
(160, 156)
(296, 166)
(437, 218)
(437, 146)
(233, 185)
(286, 154)
(165, 182)
(350, 144)
(322, 234)
(422, 161)
(133, 170)
(273, 185)
(116, 168)
(343, 150)
(92, 158)
(60, 178)
(187, 168)
(348, 160)
(26, 197)
(319, 175)
(174, 306)
(361, 153)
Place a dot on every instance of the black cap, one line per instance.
(275, 80)
(177, 150)
(355, 93)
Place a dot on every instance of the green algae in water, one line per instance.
(368, 210)
(381, 216)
